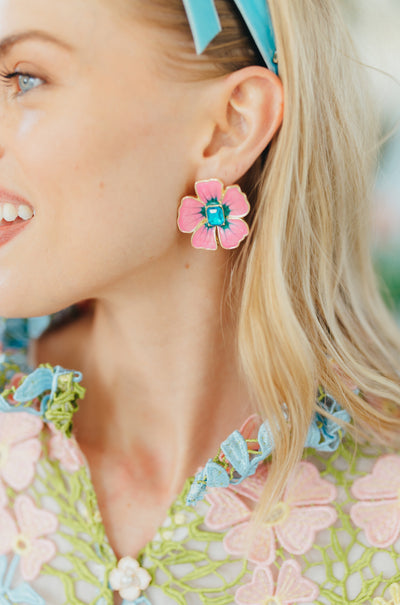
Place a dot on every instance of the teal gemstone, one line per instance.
(215, 215)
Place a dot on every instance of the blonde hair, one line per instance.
(308, 307)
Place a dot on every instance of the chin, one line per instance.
(16, 304)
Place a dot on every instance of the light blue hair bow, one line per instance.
(205, 25)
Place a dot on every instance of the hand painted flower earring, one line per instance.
(214, 212)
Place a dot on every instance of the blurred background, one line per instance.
(375, 28)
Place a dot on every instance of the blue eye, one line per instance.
(27, 82)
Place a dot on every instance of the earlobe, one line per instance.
(249, 114)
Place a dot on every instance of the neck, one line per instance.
(161, 369)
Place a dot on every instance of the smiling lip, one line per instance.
(9, 196)
(8, 230)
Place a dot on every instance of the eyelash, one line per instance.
(8, 78)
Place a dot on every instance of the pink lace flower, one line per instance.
(66, 450)
(290, 587)
(19, 448)
(3, 495)
(343, 377)
(293, 522)
(387, 407)
(214, 211)
(23, 538)
(378, 512)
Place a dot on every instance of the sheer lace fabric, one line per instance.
(334, 537)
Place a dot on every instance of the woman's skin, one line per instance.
(103, 146)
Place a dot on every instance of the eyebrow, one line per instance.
(6, 44)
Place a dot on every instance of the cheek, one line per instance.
(26, 127)
(52, 146)
(99, 164)
(92, 144)
(103, 164)
(103, 190)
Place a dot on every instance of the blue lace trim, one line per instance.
(58, 389)
(324, 435)
(23, 593)
(49, 393)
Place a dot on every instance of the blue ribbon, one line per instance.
(204, 22)
(205, 25)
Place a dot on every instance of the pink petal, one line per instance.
(19, 469)
(8, 532)
(379, 520)
(292, 587)
(226, 509)
(231, 236)
(190, 214)
(209, 190)
(262, 550)
(15, 427)
(204, 238)
(236, 201)
(344, 378)
(67, 451)
(249, 428)
(305, 486)
(258, 590)
(32, 520)
(383, 482)
(15, 380)
(253, 486)
(3, 495)
(42, 552)
(297, 532)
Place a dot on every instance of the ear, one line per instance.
(248, 111)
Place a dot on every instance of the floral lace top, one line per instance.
(333, 539)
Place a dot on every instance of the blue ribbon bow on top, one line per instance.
(205, 25)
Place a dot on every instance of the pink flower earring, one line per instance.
(214, 212)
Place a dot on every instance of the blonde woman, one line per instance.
(184, 194)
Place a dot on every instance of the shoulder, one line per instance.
(49, 517)
(36, 415)
(366, 478)
(344, 522)
(334, 537)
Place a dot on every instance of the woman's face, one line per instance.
(97, 140)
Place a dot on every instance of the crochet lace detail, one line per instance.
(333, 539)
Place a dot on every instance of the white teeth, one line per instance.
(10, 212)
(25, 212)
